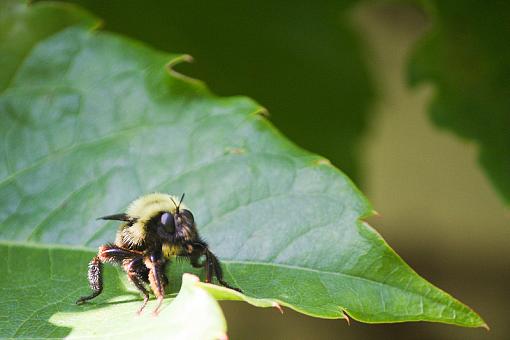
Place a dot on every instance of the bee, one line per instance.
(155, 229)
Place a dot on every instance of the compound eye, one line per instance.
(188, 215)
(167, 221)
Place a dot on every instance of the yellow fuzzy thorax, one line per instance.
(143, 209)
(146, 207)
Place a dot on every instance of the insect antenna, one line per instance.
(177, 206)
(182, 197)
(175, 203)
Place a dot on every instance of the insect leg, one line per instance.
(156, 264)
(218, 272)
(211, 265)
(95, 276)
(194, 258)
(115, 254)
(106, 253)
(138, 274)
(199, 250)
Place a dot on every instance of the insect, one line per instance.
(155, 228)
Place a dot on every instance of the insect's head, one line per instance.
(175, 224)
(155, 216)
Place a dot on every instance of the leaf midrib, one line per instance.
(294, 267)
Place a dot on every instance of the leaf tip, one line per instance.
(345, 316)
(176, 61)
(277, 306)
(262, 112)
(97, 25)
(322, 161)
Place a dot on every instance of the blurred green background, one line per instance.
(333, 77)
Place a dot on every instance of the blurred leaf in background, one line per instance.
(291, 56)
(466, 56)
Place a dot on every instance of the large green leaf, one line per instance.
(466, 56)
(92, 120)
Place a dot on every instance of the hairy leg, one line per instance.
(156, 264)
(107, 253)
(138, 275)
(95, 276)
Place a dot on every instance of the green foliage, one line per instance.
(466, 56)
(53, 276)
(92, 120)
